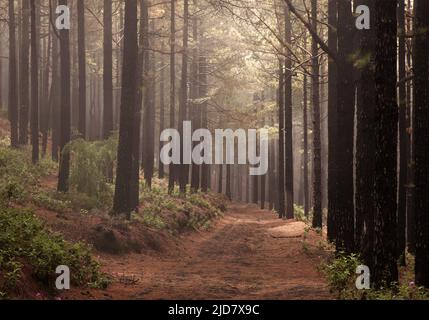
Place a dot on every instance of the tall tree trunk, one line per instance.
(107, 71)
(13, 94)
(385, 269)
(410, 142)
(281, 154)
(421, 82)
(332, 119)
(228, 192)
(183, 105)
(365, 143)
(161, 169)
(317, 147)
(123, 202)
(34, 86)
(172, 167)
(255, 179)
(143, 61)
(220, 179)
(289, 179)
(45, 113)
(403, 161)
(149, 114)
(24, 69)
(272, 174)
(194, 92)
(54, 97)
(305, 147)
(203, 66)
(65, 115)
(82, 67)
(344, 144)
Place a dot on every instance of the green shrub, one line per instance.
(45, 200)
(341, 274)
(150, 219)
(92, 166)
(24, 240)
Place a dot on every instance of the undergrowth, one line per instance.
(341, 275)
(91, 171)
(25, 244)
(177, 212)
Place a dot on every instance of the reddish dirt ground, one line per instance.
(248, 254)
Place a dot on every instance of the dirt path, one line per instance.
(249, 254)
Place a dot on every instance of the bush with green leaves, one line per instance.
(18, 176)
(25, 241)
(190, 212)
(341, 276)
(92, 166)
(47, 201)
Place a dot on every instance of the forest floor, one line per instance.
(248, 254)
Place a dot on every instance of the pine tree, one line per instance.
(34, 86)
(122, 203)
(365, 142)
(107, 71)
(344, 144)
(317, 148)
(82, 67)
(65, 114)
(385, 270)
(13, 93)
(421, 83)
(289, 178)
(24, 71)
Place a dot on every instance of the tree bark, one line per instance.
(82, 67)
(385, 270)
(344, 200)
(403, 161)
(55, 95)
(172, 167)
(149, 114)
(65, 114)
(107, 71)
(183, 103)
(317, 147)
(281, 151)
(195, 109)
(365, 142)
(289, 178)
(24, 70)
(332, 119)
(34, 86)
(421, 82)
(161, 169)
(305, 147)
(13, 94)
(122, 203)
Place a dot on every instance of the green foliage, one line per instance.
(45, 200)
(300, 214)
(175, 211)
(341, 274)
(24, 241)
(398, 292)
(18, 176)
(150, 219)
(92, 168)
